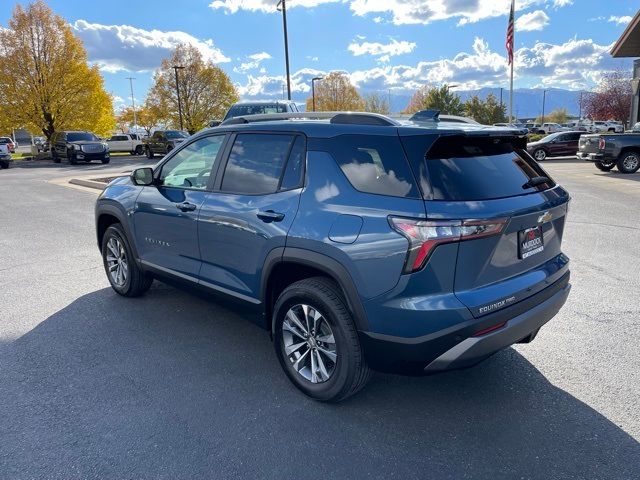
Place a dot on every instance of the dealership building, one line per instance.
(628, 45)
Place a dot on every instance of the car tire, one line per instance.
(55, 157)
(132, 152)
(605, 167)
(121, 267)
(629, 162)
(4, 165)
(105, 160)
(139, 150)
(149, 153)
(71, 159)
(329, 365)
(540, 154)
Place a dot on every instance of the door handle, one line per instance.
(186, 206)
(270, 216)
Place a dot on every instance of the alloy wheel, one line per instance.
(117, 263)
(309, 343)
(540, 154)
(630, 162)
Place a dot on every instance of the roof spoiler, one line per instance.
(431, 115)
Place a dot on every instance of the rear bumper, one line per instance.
(590, 157)
(456, 347)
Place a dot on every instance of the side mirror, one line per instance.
(142, 176)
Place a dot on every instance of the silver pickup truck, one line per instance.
(608, 151)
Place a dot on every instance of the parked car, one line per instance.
(5, 157)
(555, 145)
(78, 146)
(611, 150)
(163, 141)
(636, 128)
(359, 242)
(126, 142)
(549, 127)
(11, 145)
(241, 109)
(40, 143)
(601, 126)
(532, 127)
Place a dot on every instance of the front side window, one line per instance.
(255, 164)
(191, 166)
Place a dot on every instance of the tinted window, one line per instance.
(374, 164)
(292, 177)
(465, 169)
(258, 109)
(81, 137)
(255, 163)
(191, 166)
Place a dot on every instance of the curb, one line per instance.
(88, 183)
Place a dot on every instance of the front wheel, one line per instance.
(55, 157)
(105, 160)
(605, 167)
(629, 162)
(71, 158)
(123, 272)
(149, 153)
(539, 154)
(316, 341)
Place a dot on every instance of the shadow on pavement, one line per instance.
(173, 386)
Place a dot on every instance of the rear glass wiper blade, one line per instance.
(535, 181)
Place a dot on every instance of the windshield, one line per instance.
(172, 134)
(81, 137)
(258, 109)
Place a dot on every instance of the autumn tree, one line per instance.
(487, 111)
(560, 115)
(335, 93)
(206, 91)
(611, 100)
(376, 103)
(46, 83)
(436, 98)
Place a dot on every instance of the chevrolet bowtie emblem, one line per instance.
(545, 217)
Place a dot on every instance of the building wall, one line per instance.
(635, 103)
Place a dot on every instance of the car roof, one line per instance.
(262, 102)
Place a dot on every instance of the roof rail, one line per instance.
(340, 118)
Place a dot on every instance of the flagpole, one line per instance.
(513, 9)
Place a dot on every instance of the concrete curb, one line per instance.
(88, 183)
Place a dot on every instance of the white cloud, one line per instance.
(253, 62)
(123, 47)
(620, 20)
(262, 86)
(383, 51)
(268, 6)
(529, 22)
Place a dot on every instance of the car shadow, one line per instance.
(171, 385)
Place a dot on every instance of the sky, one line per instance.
(384, 45)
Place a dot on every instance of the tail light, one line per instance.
(601, 144)
(425, 235)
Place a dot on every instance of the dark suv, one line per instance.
(358, 242)
(78, 147)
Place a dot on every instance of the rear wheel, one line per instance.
(55, 157)
(316, 341)
(629, 162)
(149, 153)
(605, 167)
(540, 154)
(139, 150)
(123, 272)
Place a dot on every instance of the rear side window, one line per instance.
(255, 163)
(460, 168)
(292, 176)
(374, 164)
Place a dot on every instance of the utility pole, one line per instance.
(313, 91)
(175, 69)
(283, 8)
(133, 103)
(544, 97)
(501, 96)
(580, 108)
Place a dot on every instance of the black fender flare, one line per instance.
(103, 208)
(331, 267)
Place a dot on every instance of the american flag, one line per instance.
(510, 28)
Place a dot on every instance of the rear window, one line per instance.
(258, 109)
(459, 168)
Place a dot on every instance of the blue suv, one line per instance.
(360, 243)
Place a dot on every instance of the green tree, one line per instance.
(487, 112)
(437, 98)
(335, 93)
(376, 103)
(46, 83)
(557, 116)
(206, 91)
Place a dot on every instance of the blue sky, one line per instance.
(384, 45)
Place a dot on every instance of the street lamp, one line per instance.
(175, 69)
(282, 7)
(544, 98)
(133, 102)
(313, 91)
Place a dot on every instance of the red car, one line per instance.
(11, 145)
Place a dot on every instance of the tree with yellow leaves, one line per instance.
(206, 91)
(335, 93)
(46, 83)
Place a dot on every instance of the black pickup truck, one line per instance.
(163, 141)
(608, 151)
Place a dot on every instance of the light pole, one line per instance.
(313, 91)
(175, 69)
(282, 7)
(501, 96)
(133, 102)
(544, 98)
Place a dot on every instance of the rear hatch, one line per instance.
(491, 180)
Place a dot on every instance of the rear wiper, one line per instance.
(535, 181)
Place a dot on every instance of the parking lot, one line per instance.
(172, 385)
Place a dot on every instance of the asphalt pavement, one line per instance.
(173, 385)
